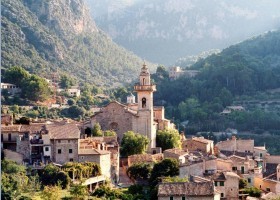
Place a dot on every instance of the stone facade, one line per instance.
(100, 157)
(64, 150)
(141, 117)
(239, 145)
(199, 144)
(267, 185)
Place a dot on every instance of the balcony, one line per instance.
(145, 87)
(36, 141)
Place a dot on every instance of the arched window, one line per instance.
(114, 126)
(143, 102)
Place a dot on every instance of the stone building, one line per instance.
(141, 117)
(178, 154)
(63, 139)
(188, 190)
(102, 150)
(238, 145)
(199, 144)
(228, 184)
(11, 88)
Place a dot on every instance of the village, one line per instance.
(212, 171)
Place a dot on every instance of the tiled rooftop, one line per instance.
(12, 128)
(186, 189)
(63, 131)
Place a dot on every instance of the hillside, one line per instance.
(246, 74)
(56, 35)
(163, 31)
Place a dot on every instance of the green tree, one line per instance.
(133, 143)
(13, 180)
(110, 133)
(168, 139)
(51, 192)
(16, 75)
(51, 175)
(76, 111)
(66, 82)
(165, 168)
(252, 191)
(36, 88)
(71, 102)
(139, 171)
(96, 131)
(243, 183)
(78, 191)
(175, 179)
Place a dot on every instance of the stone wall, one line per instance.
(64, 146)
(23, 147)
(265, 184)
(114, 117)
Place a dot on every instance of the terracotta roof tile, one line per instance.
(186, 189)
(63, 131)
(13, 128)
(32, 128)
(92, 152)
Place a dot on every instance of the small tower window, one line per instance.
(143, 81)
(143, 102)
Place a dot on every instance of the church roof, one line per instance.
(127, 109)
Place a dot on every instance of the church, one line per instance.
(140, 117)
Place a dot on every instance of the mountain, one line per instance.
(58, 35)
(163, 31)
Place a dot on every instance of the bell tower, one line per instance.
(145, 90)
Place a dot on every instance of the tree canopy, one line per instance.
(133, 143)
(168, 139)
(165, 168)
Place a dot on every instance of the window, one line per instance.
(58, 141)
(9, 137)
(222, 194)
(261, 155)
(71, 159)
(1, 137)
(70, 151)
(183, 198)
(46, 148)
(144, 102)
(216, 183)
(171, 198)
(59, 151)
(222, 183)
(249, 180)
(268, 189)
(69, 141)
(82, 157)
(234, 168)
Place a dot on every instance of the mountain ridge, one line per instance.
(49, 36)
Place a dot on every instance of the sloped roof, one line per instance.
(139, 158)
(63, 131)
(32, 128)
(236, 158)
(12, 128)
(92, 152)
(186, 189)
(120, 104)
(202, 140)
(176, 151)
